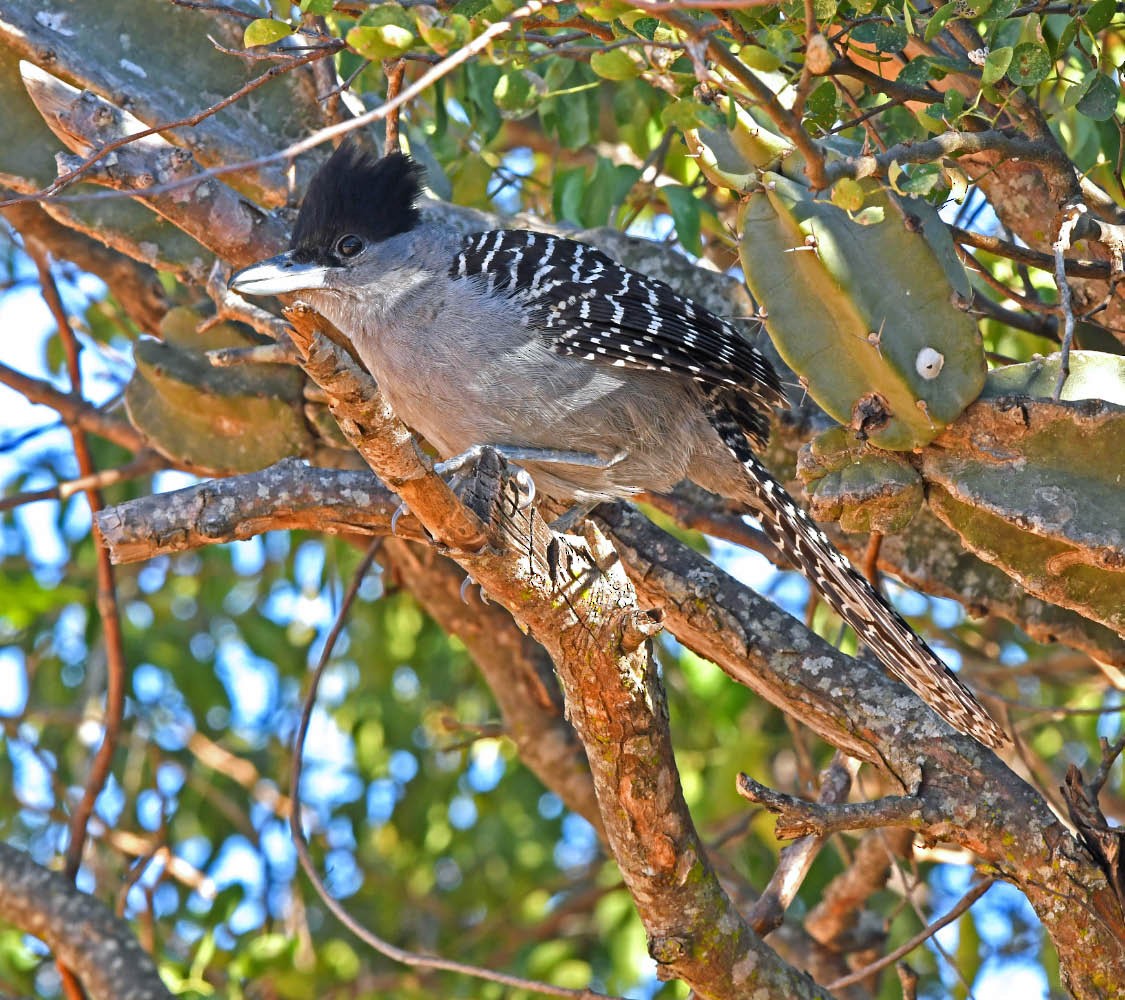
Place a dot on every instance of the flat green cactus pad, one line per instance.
(862, 488)
(1037, 487)
(863, 313)
(216, 420)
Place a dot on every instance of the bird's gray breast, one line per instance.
(464, 368)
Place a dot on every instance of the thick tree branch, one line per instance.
(82, 933)
(965, 793)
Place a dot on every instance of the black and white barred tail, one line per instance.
(877, 624)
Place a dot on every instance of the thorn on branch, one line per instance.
(1071, 216)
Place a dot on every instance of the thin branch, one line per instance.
(412, 959)
(73, 409)
(947, 144)
(786, 121)
(106, 599)
(796, 859)
(907, 947)
(144, 463)
(1033, 258)
(394, 73)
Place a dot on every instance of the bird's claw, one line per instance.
(466, 584)
(400, 511)
(526, 487)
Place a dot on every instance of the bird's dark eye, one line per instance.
(349, 246)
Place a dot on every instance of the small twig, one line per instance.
(394, 72)
(1110, 753)
(412, 959)
(1071, 215)
(218, 8)
(1033, 258)
(871, 558)
(1040, 325)
(1032, 302)
(796, 859)
(142, 464)
(798, 817)
(907, 947)
(909, 980)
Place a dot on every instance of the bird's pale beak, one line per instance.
(278, 275)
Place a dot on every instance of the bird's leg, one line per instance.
(516, 454)
(570, 519)
(545, 456)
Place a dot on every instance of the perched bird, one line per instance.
(597, 380)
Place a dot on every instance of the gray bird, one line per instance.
(599, 381)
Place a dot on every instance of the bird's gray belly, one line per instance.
(526, 396)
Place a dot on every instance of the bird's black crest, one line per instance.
(357, 193)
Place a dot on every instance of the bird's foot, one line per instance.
(566, 522)
(466, 585)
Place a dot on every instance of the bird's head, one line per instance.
(355, 208)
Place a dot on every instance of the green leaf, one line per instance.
(939, 21)
(1031, 62)
(384, 41)
(1067, 37)
(996, 64)
(470, 8)
(822, 101)
(265, 31)
(890, 37)
(444, 34)
(1079, 90)
(917, 72)
(872, 215)
(758, 58)
(1100, 100)
(848, 194)
(316, 6)
(644, 26)
(616, 64)
(482, 79)
(1000, 9)
(566, 197)
(1100, 14)
(515, 94)
(689, 113)
(954, 104)
(605, 191)
(685, 210)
